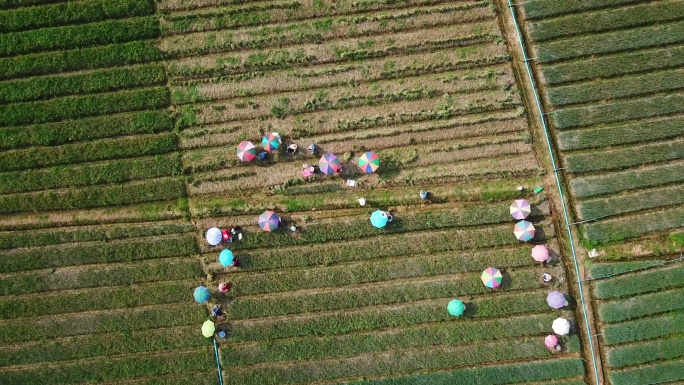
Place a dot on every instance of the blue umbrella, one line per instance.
(226, 258)
(201, 294)
(379, 219)
(456, 307)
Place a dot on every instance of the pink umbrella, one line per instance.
(540, 253)
(551, 341)
(520, 209)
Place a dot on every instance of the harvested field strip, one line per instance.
(322, 30)
(641, 131)
(150, 190)
(609, 183)
(72, 12)
(606, 20)
(630, 285)
(644, 329)
(540, 9)
(96, 252)
(78, 59)
(139, 318)
(630, 227)
(107, 298)
(204, 7)
(665, 245)
(103, 344)
(631, 202)
(106, 80)
(435, 357)
(104, 149)
(335, 323)
(665, 81)
(610, 66)
(654, 374)
(100, 127)
(625, 157)
(81, 106)
(346, 345)
(100, 276)
(641, 306)
(601, 270)
(663, 349)
(115, 368)
(618, 111)
(117, 171)
(611, 42)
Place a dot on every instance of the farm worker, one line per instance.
(226, 236)
(217, 311)
(546, 277)
(224, 287)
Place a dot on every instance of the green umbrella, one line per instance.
(456, 307)
(208, 329)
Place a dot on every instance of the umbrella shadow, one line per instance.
(471, 309)
(539, 235)
(506, 281)
(535, 214)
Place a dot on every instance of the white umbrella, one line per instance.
(214, 236)
(561, 326)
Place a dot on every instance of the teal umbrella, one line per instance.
(226, 258)
(456, 307)
(201, 294)
(379, 219)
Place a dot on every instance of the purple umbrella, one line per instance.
(556, 299)
(269, 221)
(329, 164)
(520, 209)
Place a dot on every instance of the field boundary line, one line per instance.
(540, 110)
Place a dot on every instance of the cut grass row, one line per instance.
(84, 254)
(611, 42)
(662, 349)
(630, 227)
(81, 106)
(659, 373)
(601, 270)
(627, 203)
(642, 306)
(540, 9)
(631, 285)
(9, 4)
(644, 329)
(107, 80)
(100, 127)
(72, 12)
(626, 157)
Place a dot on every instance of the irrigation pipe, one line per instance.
(218, 363)
(560, 189)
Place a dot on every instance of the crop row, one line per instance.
(606, 20)
(642, 306)
(79, 36)
(113, 369)
(8, 4)
(539, 9)
(610, 66)
(641, 131)
(452, 333)
(630, 285)
(659, 373)
(374, 295)
(72, 12)
(618, 111)
(662, 349)
(611, 42)
(105, 298)
(86, 105)
(664, 81)
(625, 157)
(627, 203)
(119, 251)
(100, 276)
(644, 329)
(79, 59)
(604, 270)
(121, 320)
(117, 171)
(81, 83)
(544, 371)
(630, 227)
(379, 317)
(50, 134)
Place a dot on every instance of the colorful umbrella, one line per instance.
(201, 294)
(208, 328)
(369, 162)
(379, 219)
(491, 277)
(561, 326)
(551, 341)
(520, 209)
(246, 151)
(524, 231)
(540, 253)
(214, 236)
(226, 258)
(556, 300)
(269, 221)
(271, 142)
(455, 307)
(329, 164)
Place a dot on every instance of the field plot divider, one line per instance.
(540, 109)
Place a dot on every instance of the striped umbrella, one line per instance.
(369, 162)
(246, 151)
(226, 258)
(520, 209)
(271, 142)
(524, 231)
(491, 277)
(269, 221)
(329, 164)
